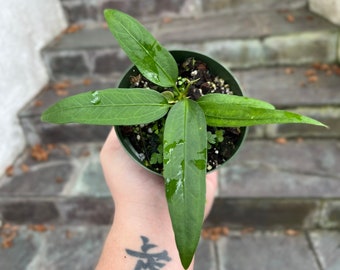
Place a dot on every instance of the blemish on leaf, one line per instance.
(200, 164)
(173, 187)
(95, 98)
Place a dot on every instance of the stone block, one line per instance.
(63, 247)
(82, 42)
(144, 9)
(274, 85)
(252, 5)
(77, 248)
(330, 9)
(301, 48)
(20, 255)
(28, 211)
(205, 257)
(68, 64)
(330, 218)
(165, 6)
(293, 49)
(45, 133)
(50, 133)
(237, 53)
(326, 246)
(267, 250)
(80, 12)
(240, 26)
(90, 180)
(108, 62)
(40, 179)
(263, 213)
(266, 169)
(86, 210)
(266, 180)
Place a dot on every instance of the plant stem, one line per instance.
(176, 90)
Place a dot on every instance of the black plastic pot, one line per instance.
(215, 68)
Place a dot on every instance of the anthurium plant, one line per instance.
(185, 138)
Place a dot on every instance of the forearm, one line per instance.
(133, 229)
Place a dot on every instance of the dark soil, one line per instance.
(147, 139)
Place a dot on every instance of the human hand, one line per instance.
(130, 183)
(141, 210)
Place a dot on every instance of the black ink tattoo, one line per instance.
(149, 261)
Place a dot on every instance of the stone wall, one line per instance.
(26, 27)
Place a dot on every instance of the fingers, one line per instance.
(212, 181)
(110, 146)
(211, 190)
(112, 152)
(117, 164)
(114, 157)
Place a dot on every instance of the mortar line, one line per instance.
(312, 248)
(338, 49)
(218, 266)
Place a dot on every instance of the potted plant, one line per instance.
(188, 102)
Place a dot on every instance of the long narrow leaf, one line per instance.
(235, 111)
(185, 154)
(150, 57)
(109, 107)
(226, 100)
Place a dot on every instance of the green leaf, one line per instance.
(185, 157)
(149, 56)
(220, 135)
(211, 137)
(236, 111)
(226, 100)
(123, 106)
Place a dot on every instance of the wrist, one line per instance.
(142, 211)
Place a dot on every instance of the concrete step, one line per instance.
(59, 247)
(294, 185)
(297, 178)
(90, 13)
(296, 182)
(238, 40)
(285, 87)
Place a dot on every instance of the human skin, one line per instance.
(141, 213)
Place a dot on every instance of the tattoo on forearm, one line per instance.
(148, 260)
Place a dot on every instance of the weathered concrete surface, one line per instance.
(56, 248)
(90, 13)
(206, 257)
(239, 40)
(294, 169)
(263, 213)
(274, 250)
(326, 245)
(298, 179)
(328, 9)
(48, 246)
